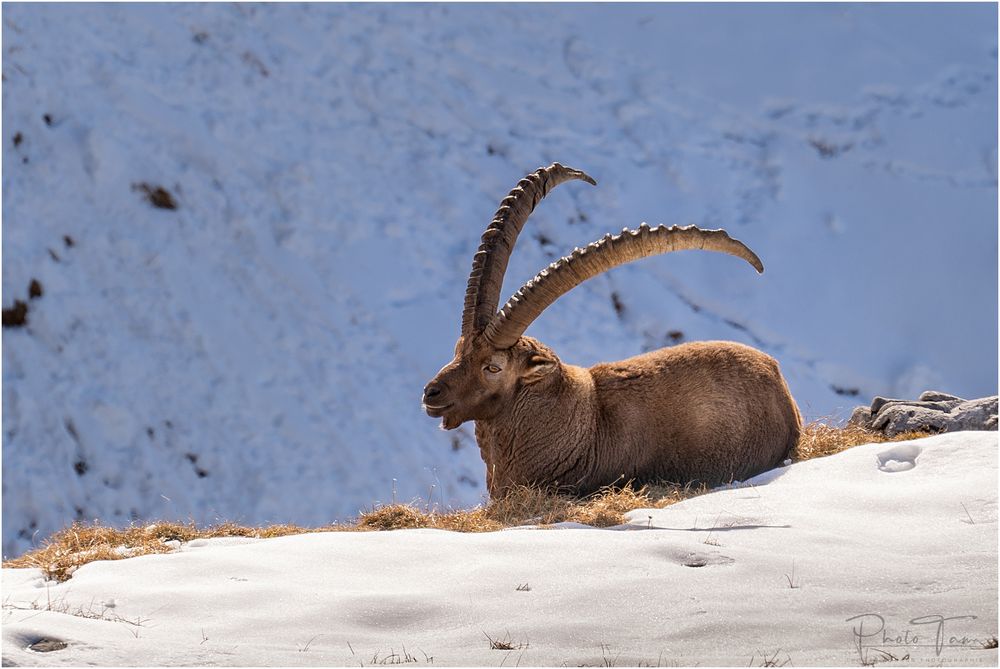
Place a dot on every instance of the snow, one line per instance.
(258, 354)
(776, 568)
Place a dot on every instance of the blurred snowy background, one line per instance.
(257, 352)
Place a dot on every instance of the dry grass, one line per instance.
(533, 506)
(68, 549)
(819, 440)
(79, 544)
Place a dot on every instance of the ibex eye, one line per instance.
(492, 369)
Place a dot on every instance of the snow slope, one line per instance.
(773, 571)
(258, 353)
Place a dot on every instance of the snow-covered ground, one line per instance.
(892, 545)
(258, 353)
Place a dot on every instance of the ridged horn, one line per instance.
(566, 273)
(490, 261)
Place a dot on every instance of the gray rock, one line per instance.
(861, 416)
(937, 396)
(933, 412)
(940, 405)
(978, 414)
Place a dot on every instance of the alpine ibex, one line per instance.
(708, 412)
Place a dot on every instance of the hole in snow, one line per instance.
(47, 645)
(899, 458)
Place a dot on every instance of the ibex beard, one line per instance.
(702, 412)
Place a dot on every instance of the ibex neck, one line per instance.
(517, 444)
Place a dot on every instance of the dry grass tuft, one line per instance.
(393, 517)
(819, 439)
(79, 544)
(608, 507)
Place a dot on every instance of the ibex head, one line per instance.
(482, 379)
(493, 361)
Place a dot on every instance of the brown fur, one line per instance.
(706, 412)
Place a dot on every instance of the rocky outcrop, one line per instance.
(933, 412)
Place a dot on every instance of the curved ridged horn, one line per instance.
(490, 261)
(566, 273)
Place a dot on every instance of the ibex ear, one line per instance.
(538, 366)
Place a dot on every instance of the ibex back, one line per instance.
(703, 412)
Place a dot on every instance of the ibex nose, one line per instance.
(431, 391)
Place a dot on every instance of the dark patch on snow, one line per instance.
(29, 531)
(656, 340)
(251, 59)
(158, 196)
(846, 392)
(193, 459)
(71, 429)
(18, 138)
(543, 239)
(80, 467)
(760, 343)
(619, 306)
(16, 316)
(828, 149)
(696, 308)
(497, 148)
